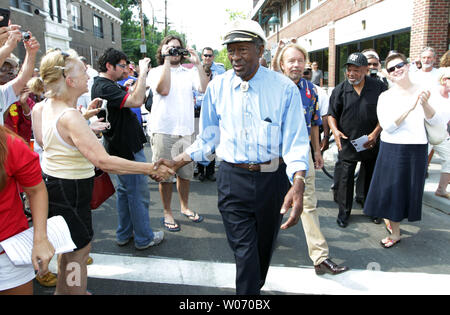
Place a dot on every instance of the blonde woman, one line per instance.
(71, 150)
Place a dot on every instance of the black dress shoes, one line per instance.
(328, 266)
(376, 220)
(342, 223)
(211, 177)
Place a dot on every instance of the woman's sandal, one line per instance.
(389, 242)
(388, 228)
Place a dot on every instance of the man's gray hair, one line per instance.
(429, 49)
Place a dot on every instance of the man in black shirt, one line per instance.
(353, 114)
(125, 139)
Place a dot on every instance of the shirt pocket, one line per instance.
(268, 137)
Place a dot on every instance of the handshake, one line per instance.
(163, 169)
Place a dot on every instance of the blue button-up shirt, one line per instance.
(310, 104)
(256, 124)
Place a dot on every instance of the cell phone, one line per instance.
(5, 13)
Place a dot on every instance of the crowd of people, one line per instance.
(81, 119)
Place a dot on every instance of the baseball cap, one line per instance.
(243, 31)
(357, 59)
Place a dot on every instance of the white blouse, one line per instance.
(391, 105)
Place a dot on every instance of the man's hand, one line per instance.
(144, 65)
(371, 142)
(337, 138)
(294, 200)
(194, 58)
(318, 160)
(162, 170)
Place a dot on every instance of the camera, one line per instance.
(25, 36)
(373, 72)
(178, 52)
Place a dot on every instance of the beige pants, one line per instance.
(317, 245)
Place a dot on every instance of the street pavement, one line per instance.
(197, 260)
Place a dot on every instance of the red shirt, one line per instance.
(16, 120)
(22, 168)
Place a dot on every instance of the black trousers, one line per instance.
(346, 181)
(359, 188)
(250, 204)
(209, 169)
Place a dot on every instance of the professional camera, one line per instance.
(178, 52)
(25, 36)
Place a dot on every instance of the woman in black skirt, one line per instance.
(398, 180)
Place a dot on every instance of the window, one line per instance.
(77, 23)
(51, 9)
(294, 9)
(112, 32)
(20, 4)
(305, 5)
(98, 26)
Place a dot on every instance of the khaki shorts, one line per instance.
(168, 147)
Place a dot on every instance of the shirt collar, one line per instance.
(236, 82)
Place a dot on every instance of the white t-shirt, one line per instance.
(427, 80)
(173, 114)
(324, 100)
(7, 97)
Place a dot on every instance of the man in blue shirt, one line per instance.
(292, 63)
(252, 119)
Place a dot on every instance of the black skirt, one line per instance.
(71, 199)
(398, 181)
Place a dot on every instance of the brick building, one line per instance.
(87, 26)
(332, 29)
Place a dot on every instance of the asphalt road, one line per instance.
(197, 260)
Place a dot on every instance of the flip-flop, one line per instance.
(192, 217)
(171, 227)
(446, 195)
(390, 243)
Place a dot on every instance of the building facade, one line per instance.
(87, 26)
(330, 30)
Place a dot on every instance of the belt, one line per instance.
(256, 167)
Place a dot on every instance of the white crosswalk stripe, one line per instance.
(298, 280)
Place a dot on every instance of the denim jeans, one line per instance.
(133, 200)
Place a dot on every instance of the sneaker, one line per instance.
(157, 239)
(47, 280)
(125, 242)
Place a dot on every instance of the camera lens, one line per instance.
(26, 36)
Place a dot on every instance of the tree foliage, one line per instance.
(131, 31)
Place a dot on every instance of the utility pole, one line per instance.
(143, 44)
(165, 18)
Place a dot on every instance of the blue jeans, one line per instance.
(133, 200)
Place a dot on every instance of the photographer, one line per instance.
(374, 66)
(171, 121)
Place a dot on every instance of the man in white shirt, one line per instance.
(427, 76)
(171, 123)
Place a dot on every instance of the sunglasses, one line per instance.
(207, 55)
(398, 66)
(64, 55)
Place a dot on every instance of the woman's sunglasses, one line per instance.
(398, 66)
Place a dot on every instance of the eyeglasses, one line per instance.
(123, 66)
(375, 64)
(207, 55)
(398, 66)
